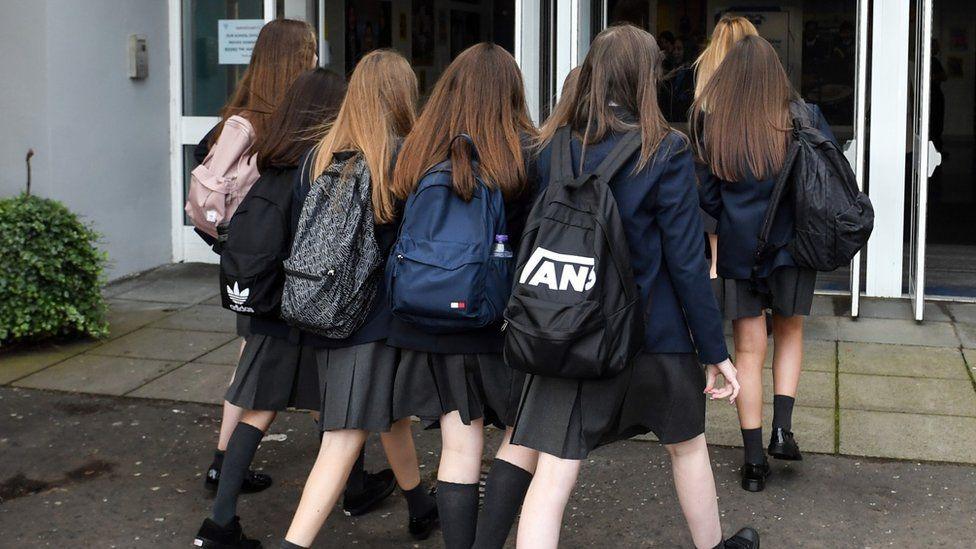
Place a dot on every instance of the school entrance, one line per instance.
(895, 78)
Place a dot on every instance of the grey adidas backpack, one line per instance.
(332, 274)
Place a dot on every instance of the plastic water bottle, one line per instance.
(501, 249)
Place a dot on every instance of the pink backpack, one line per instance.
(218, 185)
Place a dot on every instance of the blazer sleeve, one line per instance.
(709, 190)
(684, 255)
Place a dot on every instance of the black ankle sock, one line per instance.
(218, 459)
(419, 500)
(783, 412)
(752, 440)
(357, 476)
(240, 452)
(285, 544)
(457, 505)
(504, 491)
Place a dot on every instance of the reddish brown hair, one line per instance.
(481, 94)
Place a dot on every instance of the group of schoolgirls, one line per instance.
(465, 268)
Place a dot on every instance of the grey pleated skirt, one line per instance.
(711, 224)
(568, 418)
(275, 374)
(356, 387)
(787, 291)
(429, 385)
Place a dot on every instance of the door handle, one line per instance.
(935, 158)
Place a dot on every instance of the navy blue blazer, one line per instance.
(659, 209)
(740, 208)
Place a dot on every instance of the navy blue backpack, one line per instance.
(441, 274)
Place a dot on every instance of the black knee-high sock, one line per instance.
(504, 491)
(752, 440)
(285, 544)
(783, 412)
(240, 452)
(419, 501)
(357, 476)
(457, 506)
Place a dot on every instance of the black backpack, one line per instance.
(575, 311)
(258, 240)
(834, 219)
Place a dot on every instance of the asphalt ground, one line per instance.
(86, 471)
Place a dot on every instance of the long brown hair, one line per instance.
(565, 104)
(481, 94)
(312, 101)
(622, 69)
(728, 31)
(745, 129)
(285, 48)
(379, 110)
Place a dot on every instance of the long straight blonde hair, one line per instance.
(728, 31)
(379, 110)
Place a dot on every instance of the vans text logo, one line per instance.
(238, 297)
(559, 271)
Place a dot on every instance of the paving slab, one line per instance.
(901, 360)
(967, 335)
(963, 312)
(816, 389)
(820, 328)
(899, 309)
(205, 383)
(970, 355)
(96, 374)
(126, 316)
(908, 436)
(163, 344)
(173, 290)
(898, 332)
(814, 427)
(225, 354)
(823, 305)
(205, 318)
(907, 395)
(22, 362)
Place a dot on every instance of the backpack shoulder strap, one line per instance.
(614, 161)
(782, 180)
(561, 161)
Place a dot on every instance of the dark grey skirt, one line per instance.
(569, 418)
(787, 291)
(356, 387)
(275, 374)
(429, 385)
(711, 224)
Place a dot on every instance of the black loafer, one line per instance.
(421, 527)
(377, 487)
(747, 538)
(214, 536)
(782, 445)
(754, 476)
(253, 481)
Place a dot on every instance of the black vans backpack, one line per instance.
(258, 240)
(333, 272)
(575, 311)
(834, 219)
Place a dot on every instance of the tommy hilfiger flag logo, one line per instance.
(459, 305)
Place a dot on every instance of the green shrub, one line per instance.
(50, 272)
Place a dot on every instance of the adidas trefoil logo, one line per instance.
(238, 297)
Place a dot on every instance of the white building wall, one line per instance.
(102, 140)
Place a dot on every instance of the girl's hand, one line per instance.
(729, 389)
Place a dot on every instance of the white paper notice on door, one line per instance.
(235, 40)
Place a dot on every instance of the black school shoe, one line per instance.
(754, 476)
(214, 536)
(421, 527)
(253, 481)
(782, 445)
(747, 538)
(378, 486)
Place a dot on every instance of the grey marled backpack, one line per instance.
(332, 274)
